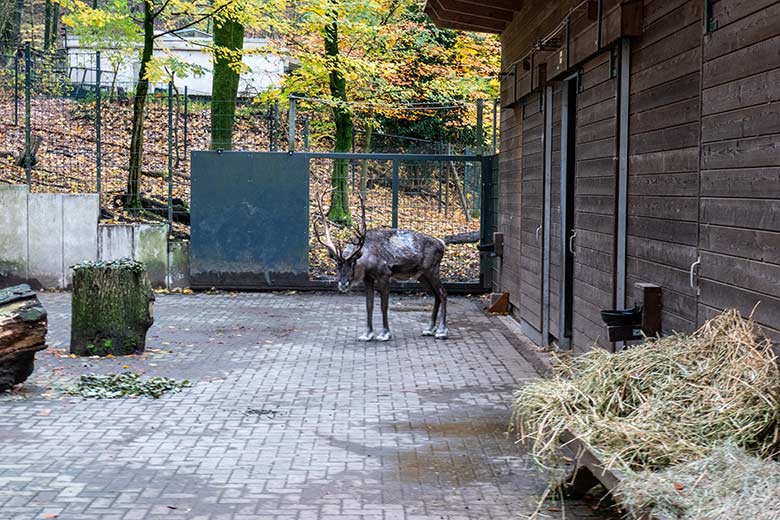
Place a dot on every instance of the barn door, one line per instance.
(591, 238)
(532, 216)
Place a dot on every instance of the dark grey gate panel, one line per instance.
(249, 220)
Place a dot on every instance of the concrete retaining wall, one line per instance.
(147, 243)
(43, 234)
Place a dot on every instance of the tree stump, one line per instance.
(22, 333)
(111, 309)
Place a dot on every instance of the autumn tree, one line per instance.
(369, 58)
(169, 17)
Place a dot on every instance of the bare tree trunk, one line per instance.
(133, 197)
(47, 25)
(459, 190)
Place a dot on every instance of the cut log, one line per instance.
(462, 238)
(181, 213)
(35, 145)
(111, 309)
(22, 333)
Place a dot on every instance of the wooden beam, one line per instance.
(509, 5)
(477, 10)
(463, 22)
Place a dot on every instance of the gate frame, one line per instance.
(486, 231)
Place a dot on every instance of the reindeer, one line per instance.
(377, 256)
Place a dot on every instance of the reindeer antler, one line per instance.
(360, 229)
(328, 242)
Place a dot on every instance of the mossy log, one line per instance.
(22, 333)
(111, 309)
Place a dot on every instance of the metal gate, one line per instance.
(250, 215)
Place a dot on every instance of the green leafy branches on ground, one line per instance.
(126, 384)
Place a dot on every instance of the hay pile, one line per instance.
(730, 484)
(667, 402)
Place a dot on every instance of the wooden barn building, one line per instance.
(640, 143)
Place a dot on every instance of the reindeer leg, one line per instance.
(384, 294)
(430, 331)
(438, 288)
(369, 334)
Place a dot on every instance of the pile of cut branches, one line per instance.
(126, 384)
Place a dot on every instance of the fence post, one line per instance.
(270, 129)
(186, 120)
(27, 129)
(480, 135)
(447, 183)
(16, 87)
(306, 134)
(170, 153)
(395, 194)
(98, 95)
(291, 126)
(275, 134)
(441, 175)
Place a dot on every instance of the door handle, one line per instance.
(538, 230)
(692, 275)
(571, 243)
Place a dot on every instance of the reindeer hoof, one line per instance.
(368, 336)
(384, 336)
(441, 334)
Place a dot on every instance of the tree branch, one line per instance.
(161, 9)
(194, 22)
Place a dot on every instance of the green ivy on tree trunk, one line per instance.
(339, 203)
(229, 42)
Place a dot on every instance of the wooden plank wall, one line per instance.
(740, 162)
(663, 156)
(532, 210)
(704, 170)
(509, 186)
(594, 202)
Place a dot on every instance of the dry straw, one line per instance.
(666, 402)
(730, 484)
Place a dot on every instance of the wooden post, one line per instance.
(111, 309)
(22, 333)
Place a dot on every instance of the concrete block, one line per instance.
(151, 248)
(115, 241)
(80, 231)
(44, 238)
(178, 264)
(13, 234)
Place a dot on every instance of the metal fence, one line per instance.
(65, 124)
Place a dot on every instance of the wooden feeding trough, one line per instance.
(590, 469)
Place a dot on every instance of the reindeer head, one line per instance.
(345, 256)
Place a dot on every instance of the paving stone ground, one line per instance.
(289, 417)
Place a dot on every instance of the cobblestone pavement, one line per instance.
(289, 418)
